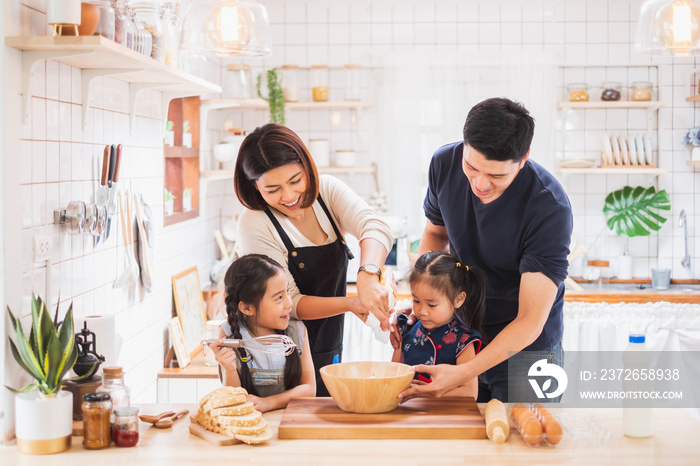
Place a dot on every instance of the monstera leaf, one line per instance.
(634, 211)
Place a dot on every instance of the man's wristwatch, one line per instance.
(370, 269)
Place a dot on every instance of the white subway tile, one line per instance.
(339, 34)
(38, 204)
(554, 12)
(575, 11)
(489, 33)
(575, 33)
(425, 12)
(65, 83)
(446, 12)
(619, 11)
(597, 10)
(402, 13)
(381, 12)
(295, 34)
(533, 33)
(295, 12)
(554, 33)
(403, 33)
(338, 12)
(360, 12)
(533, 12)
(489, 12)
(597, 33)
(446, 34)
(425, 33)
(382, 34)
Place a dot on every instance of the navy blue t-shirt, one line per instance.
(526, 229)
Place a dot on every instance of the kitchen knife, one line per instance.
(111, 188)
(103, 191)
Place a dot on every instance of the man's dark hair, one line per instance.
(500, 129)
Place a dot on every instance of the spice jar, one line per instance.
(147, 16)
(611, 91)
(578, 92)
(113, 385)
(319, 83)
(171, 34)
(354, 81)
(641, 90)
(239, 82)
(290, 86)
(124, 27)
(105, 27)
(126, 426)
(97, 408)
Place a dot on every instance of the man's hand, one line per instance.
(445, 378)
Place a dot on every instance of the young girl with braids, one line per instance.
(448, 300)
(257, 304)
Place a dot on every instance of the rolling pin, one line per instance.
(497, 427)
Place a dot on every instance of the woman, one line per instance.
(299, 219)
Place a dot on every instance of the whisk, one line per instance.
(271, 344)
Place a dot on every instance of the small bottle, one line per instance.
(641, 91)
(319, 83)
(578, 92)
(637, 421)
(290, 85)
(353, 81)
(113, 385)
(147, 16)
(105, 27)
(611, 91)
(126, 426)
(97, 409)
(171, 34)
(239, 82)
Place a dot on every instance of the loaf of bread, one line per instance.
(226, 411)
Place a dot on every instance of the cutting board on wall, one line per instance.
(419, 418)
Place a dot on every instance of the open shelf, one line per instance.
(97, 56)
(615, 171)
(259, 104)
(215, 175)
(693, 162)
(693, 98)
(650, 104)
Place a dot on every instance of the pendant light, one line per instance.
(228, 27)
(669, 28)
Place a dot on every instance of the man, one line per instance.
(495, 209)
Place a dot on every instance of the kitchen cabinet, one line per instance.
(97, 56)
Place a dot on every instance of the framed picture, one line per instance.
(179, 345)
(189, 305)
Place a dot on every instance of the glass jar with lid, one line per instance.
(171, 34)
(124, 27)
(105, 27)
(238, 83)
(147, 17)
(612, 91)
(641, 91)
(319, 83)
(126, 426)
(290, 82)
(113, 385)
(578, 92)
(97, 408)
(354, 81)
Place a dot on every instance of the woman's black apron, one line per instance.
(320, 271)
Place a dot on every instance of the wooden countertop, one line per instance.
(196, 369)
(675, 434)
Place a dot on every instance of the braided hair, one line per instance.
(443, 272)
(246, 282)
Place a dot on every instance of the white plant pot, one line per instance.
(695, 154)
(168, 207)
(187, 140)
(43, 425)
(63, 11)
(169, 138)
(624, 267)
(186, 204)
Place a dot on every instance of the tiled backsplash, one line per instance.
(59, 160)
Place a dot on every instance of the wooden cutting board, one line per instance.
(209, 436)
(419, 418)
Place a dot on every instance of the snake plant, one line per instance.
(634, 211)
(275, 96)
(49, 353)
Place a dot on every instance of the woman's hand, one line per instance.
(260, 404)
(358, 309)
(402, 307)
(374, 297)
(444, 378)
(226, 357)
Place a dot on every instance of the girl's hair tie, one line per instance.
(459, 264)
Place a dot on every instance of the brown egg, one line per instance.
(89, 19)
(553, 431)
(532, 431)
(517, 407)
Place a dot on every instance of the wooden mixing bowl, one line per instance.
(367, 387)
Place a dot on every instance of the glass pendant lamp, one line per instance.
(669, 27)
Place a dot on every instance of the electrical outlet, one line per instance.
(42, 248)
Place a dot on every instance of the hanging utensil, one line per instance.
(124, 276)
(101, 198)
(114, 164)
(271, 344)
(134, 269)
(144, 255)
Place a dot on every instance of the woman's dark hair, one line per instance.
(268, 147)
(443, 272)
(246, 282)
(500, 129)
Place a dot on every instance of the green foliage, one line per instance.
(275, 96)
(169, 126)
(167, 195)
(186, 127)
(187, 192)
(633, 211)
(49, 353)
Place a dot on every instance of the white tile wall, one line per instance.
(60, 158)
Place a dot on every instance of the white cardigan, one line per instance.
(352, 215)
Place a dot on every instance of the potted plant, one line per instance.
(44, 412)
(634, 212)
(692, 141)
(187, 199)
(275, 96)
(169, 137)
(186, 135)
(168, 201)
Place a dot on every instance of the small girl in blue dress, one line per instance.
(448, 300)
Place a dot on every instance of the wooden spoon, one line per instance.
(165, 423)
(153, 418)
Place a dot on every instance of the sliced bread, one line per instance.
(235, 410)
(249, 419)
(264, 436)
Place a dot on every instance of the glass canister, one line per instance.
(612, 91)
(239, 82)
(290, 82)
(354, 81)
(105, 27)
(578, 92)
(319, 83)
(147, 16)
(171, 34)
(124, 27)
(641, 91)
(126, 426)
(142, 39)
(97, 409)
(113, 385)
